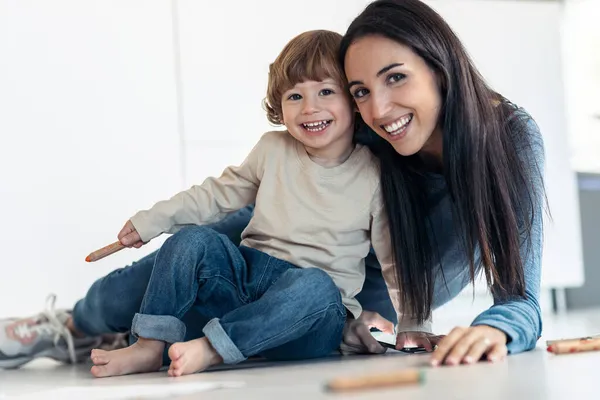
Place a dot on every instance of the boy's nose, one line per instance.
(309, 107)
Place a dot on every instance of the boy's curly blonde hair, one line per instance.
(310, 56)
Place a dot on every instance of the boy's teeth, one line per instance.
(316, 126)
(394, 127)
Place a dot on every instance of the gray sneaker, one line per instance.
(43, 335)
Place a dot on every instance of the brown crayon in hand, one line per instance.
(383, 380)
(105, 251)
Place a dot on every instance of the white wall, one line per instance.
(225, 57)
(91, 131)
(88, 128)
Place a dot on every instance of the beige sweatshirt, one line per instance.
(306, 214)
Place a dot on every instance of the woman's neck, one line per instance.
(432, 152)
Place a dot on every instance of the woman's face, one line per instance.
(397, 94)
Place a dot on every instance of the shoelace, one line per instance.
(52, 326)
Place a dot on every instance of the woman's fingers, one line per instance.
(498, 352)
(446, 345)
(468, 345)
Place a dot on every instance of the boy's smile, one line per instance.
(319, 114)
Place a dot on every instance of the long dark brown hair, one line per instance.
(491, 187)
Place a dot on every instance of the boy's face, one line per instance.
(320, 116)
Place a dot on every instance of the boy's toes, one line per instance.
(175, 352)
(99, 357)
(100, 371)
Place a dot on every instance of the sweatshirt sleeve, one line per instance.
(206, 203)
(382, 246)
(520, 318)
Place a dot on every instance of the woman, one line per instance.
(461, 171)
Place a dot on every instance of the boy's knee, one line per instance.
(192, 237)
(318, 284)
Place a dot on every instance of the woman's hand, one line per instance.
(129, 236)
(469, 345)
(357, 335)
(417, 339)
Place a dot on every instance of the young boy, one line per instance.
(285, 292)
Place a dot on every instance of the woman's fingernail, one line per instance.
(469, 360)
(451, 361)
(492, 359)
(435, 363)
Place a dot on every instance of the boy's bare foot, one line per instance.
(143, 356)
(192, 356)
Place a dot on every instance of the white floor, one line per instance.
(533, 375)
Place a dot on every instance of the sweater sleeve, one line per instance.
(382, 246)
(206, 203)
(520, 318)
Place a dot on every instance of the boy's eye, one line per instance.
(294, 96)
(396, 77)
(360, 93)
(326, 92)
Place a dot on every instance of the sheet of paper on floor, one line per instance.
(121, 392)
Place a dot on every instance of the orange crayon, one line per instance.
(550, 342)
(383, 380)
(105, 251)
(574, 345)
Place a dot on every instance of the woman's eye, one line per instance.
(397, 77)
(360, 93)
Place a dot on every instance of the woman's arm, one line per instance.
(511, 325)
(520, 318)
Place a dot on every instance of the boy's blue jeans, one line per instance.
(112, 301)
(257, 304)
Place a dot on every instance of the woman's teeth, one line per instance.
(397, 127)
(316, 126)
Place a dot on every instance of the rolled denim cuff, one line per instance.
(158, 327)
(222, 343)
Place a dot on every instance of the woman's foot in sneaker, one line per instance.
(43, 335)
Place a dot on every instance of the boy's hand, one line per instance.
(129, 236)
(357, 336)
(417, 339)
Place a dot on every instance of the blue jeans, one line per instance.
(112, 301)
(257, 304)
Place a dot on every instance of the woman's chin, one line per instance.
(405, 149)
